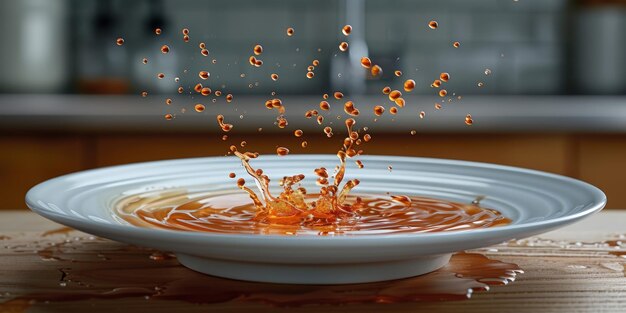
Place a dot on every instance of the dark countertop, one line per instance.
(80, 113)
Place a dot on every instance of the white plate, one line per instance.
(536, 202)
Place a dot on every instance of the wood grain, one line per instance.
(571, 274)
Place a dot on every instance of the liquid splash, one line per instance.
(291, 207)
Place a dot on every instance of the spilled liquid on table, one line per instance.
(76, 267)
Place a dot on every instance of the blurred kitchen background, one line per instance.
(545, 82)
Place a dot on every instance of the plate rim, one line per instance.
(599, 201)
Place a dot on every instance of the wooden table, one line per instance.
(579, 268)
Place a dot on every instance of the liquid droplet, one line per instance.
(395, 94)
(119, 41)
(282, 151)
(433, 24)
(346, 30)
(376, 70)
(290, 31)
(409, 85)
(199, 107)
(366, 62)
(165, 49)
(204, 74)
(379, 110)
(258, 49)
(343, 46)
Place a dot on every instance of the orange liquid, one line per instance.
(235, 213)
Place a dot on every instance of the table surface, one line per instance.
(579, 268)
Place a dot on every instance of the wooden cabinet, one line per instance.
(602, 162)
(27, 160)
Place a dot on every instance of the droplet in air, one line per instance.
(487, 71)
(258, 49)
(282, 151)
(343, 46)
(290, 31)
(366, 62)
(433, 24)
(456, 44)
(204, 74)
(469, 120)
(274, 77)
(119, 41)
(165, 49)
(376, 70)
(379, 110)
(444, 77)
(157, 31)
(346, 30)
(398, 73)
(199, 107)
(409, 85)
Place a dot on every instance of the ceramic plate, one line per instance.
(536, 202)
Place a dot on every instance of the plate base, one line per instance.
(315, 274)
